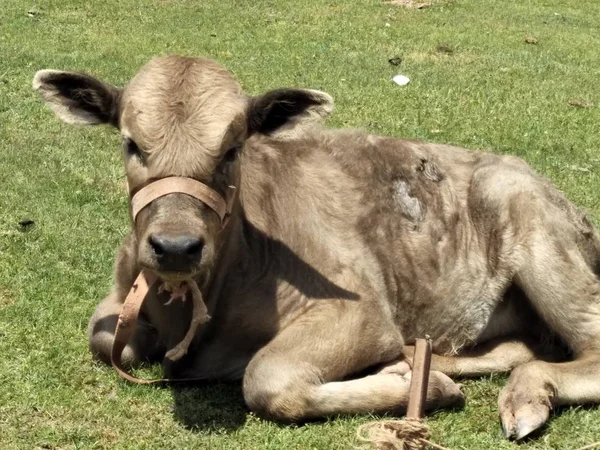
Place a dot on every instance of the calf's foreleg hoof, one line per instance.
(442, 392)
(526, 401)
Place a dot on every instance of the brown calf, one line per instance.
(342, 249)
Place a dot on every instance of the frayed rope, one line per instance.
(406, 434)
(199, 313)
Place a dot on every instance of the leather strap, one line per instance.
(126, 327)
(182, 185)
(133, 302)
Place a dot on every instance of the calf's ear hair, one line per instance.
(287, 107)
(78, 98)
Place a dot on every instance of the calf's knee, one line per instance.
(279, 391)
(101, 335)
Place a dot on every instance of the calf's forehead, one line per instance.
(176, 96)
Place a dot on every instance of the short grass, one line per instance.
(493, 91)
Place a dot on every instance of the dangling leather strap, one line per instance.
(126, 327)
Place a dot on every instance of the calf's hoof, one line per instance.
(525, 403)
(442, 392)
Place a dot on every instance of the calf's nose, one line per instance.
(176, 253)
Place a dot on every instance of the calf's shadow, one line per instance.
(210, 406)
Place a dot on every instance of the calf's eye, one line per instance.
(231, 154)
(131, 148)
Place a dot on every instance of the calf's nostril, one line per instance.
(194, 247)
(157, 245)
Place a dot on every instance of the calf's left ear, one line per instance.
(287, 107)
(78, 98)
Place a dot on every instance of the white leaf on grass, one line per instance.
(401, 80)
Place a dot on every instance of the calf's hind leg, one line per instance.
(296, 376)
(566, 294)
(495, 356)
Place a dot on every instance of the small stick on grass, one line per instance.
(410, 433)
(420, 379)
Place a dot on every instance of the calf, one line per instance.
(341, 249)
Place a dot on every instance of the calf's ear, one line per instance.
(78, 98)
(283, 108)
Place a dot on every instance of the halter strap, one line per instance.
(183, 185)
(132, 304)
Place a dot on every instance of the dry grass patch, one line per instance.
(5, 299)
(409, 3)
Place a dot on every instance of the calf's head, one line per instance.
(179, 117)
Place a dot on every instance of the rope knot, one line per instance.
(406, 434)
(200, 315)
(178, 290)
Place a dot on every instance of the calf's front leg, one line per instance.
(297, 375)
(101, 334)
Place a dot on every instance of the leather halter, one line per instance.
(188, 186)
(133, 302)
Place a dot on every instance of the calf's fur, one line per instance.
(343, 248)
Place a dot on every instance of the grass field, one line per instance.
(486, 88)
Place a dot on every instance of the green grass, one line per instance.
(493, 92)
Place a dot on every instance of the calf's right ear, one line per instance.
(78, 98)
